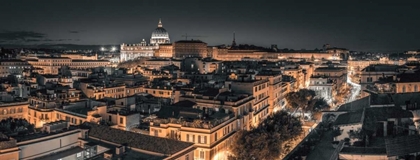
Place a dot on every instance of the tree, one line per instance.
(266, 141)
(300, 99)
(305, 100)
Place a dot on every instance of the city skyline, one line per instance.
(358, 26)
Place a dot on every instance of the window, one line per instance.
(79, 155)
(202, 154)
(416, 88)
(215, 136)
(187, 157)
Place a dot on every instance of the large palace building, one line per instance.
(142, 49)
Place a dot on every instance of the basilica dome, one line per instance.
(159, 35)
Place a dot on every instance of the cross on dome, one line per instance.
(160, 23)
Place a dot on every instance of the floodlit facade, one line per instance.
(159, 36)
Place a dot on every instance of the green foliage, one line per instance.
(299, 99)
(16, 125)
(305, 99)
(358, 134)
(265, 142)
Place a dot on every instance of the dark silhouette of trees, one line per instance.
(305, 100)
(16, 125)
(265, 142)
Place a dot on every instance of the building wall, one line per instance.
(14, 110)
(8, 67)
(39, 117)
(407, 87)
(159, 92)
(133, 51)
(362, 156)
(165, 51)
(190, 49)
(276, 91)
(9, 154)
(44, 146)
(207, 141)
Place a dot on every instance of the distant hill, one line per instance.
(58, 46)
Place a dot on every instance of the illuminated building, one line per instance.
(201, 65)
(52, 65)
(165, 51)
(258, 89)
(277, 89)
(190, 48)
(60, 140)
(159, 36)
(226, 113)
(13, 110)
(10, 67)
(159, 63)
(327, 81)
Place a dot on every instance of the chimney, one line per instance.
(119, 150)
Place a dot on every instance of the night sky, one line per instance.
(381, 25)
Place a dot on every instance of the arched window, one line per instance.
(403, 89)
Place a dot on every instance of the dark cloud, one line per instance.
(33, 40)
(20, 35)
(74, 32)
(60, 40)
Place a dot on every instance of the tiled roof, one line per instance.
(384, 113)
(355, 105)
(135, 140)
(401, 146)
(349, 118)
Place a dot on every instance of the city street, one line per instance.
(355, 91)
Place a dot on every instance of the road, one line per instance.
(355, 91)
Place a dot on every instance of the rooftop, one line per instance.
(128, 154)
(384, 113)
(46, 57)
(349, 118)
(355, 105)
(364, 150)
(135, 140)
(189, 41)
(61, 154)
(401, 146)
(42, 134)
